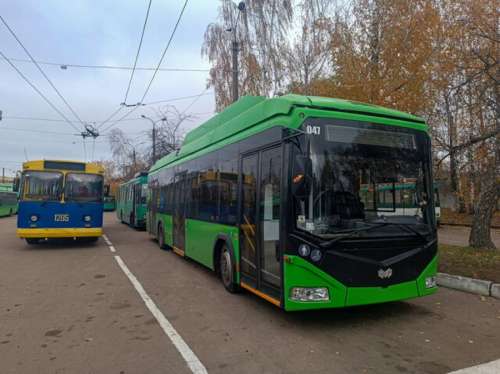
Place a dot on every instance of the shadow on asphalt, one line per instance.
(60, 245)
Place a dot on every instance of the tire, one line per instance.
(226, 270)
(132, 220)
(160, 235)
(92, 239)
(32, 241)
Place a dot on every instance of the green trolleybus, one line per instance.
(281, 197)
(8, 200)
(109, 202)
(131, 201)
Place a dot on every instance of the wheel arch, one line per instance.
(219, 242)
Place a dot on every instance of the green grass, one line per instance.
(470, 262)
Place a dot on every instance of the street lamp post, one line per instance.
(154, 133)
(235, 50)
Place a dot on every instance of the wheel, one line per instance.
(10, 212)
(32, 241)
(92, 239)
(132, 220)
(226, 270)
(161, 237)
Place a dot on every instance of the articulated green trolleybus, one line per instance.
(131, 202)
(279, 197)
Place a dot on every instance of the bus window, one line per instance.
(42, 185)
(83, 187)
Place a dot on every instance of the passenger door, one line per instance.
(260, 207)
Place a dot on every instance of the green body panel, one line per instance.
(8, 200)
(109, 206)
(8, 209)
(201, 237)
(300, 273)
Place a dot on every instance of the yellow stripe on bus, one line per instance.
(260, 294)
(59, 233)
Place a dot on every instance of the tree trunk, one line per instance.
(480, 235)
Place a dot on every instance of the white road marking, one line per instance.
(106, 239)
(492, 367)
(191, 359)
(112, 249)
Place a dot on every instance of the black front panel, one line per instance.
(382, 264)
(365, 262)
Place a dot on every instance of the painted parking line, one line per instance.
(187, 354)
(112, 249)
(492, 367)
(108, 242)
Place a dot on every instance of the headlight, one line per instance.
(430, 282)
(304, 250)
(87, 218)
(34, 218)
(309, 294)
(316, 255)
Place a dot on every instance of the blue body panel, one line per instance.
(47, 211)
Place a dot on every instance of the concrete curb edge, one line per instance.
(476, 286)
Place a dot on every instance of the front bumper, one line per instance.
(41, 233)
(301, 273)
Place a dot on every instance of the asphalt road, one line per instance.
(67, 308)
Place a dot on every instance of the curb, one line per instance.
(471, 285)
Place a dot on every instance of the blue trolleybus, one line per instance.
(60, 199)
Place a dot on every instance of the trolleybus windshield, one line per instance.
(83, 187)
(356, 178)
(42, 185)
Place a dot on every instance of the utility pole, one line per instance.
(235, 69)
(235, 50)
(153, 137)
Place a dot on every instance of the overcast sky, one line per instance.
(104, 32)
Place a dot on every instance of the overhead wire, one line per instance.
(164, 51)
(64, 66)
(138, 52)
(39, 92)
(109, 117)
(41, 70)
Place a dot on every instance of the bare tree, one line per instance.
(169, 132)
(126, 154)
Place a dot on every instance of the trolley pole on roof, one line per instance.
(235, 50)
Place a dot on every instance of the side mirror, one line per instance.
(301, 176)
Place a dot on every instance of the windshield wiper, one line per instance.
(349, 234)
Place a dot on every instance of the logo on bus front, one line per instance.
(61, 217)
(385, 274)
